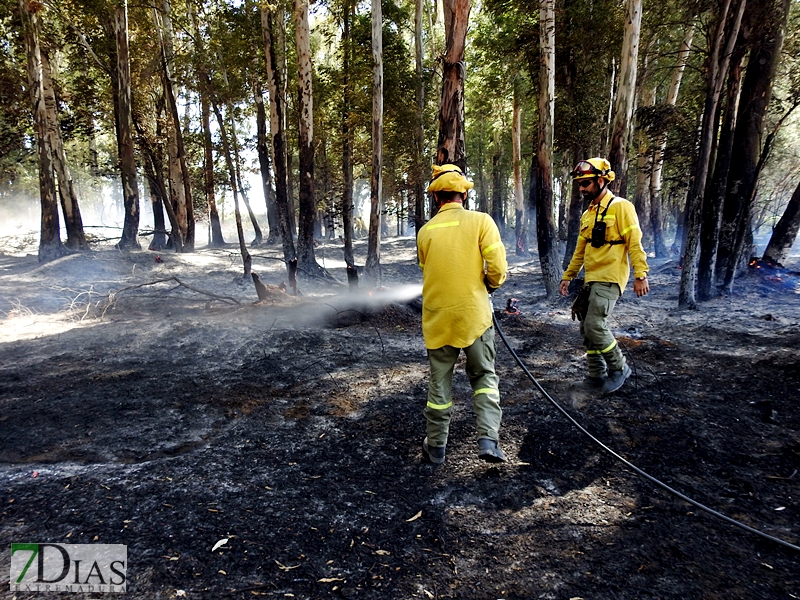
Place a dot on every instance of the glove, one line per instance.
(581, 304)
(488, 285)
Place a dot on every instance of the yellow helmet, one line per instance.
(593, 167)
(449, 178)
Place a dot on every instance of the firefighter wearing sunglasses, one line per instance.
(610, 242)
(462, 258)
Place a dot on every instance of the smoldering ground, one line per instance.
(172, 416)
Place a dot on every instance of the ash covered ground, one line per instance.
(161, 406)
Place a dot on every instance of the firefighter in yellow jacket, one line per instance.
(462, 258)
(609, 234)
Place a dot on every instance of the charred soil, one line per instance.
(160, 405)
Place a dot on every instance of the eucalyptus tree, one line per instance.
(373, 264)
(625, 94)
(451, 147)
(50, 246)
(725, 32)
(748, 156)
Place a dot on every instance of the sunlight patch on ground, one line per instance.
(18, 327)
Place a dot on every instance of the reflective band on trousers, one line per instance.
(604, 350)
(440, 406)
(487, 391)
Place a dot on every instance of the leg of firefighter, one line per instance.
(485, 388)
(602, 352)
(440, 397)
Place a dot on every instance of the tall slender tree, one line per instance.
(451, 147)
(373, 264)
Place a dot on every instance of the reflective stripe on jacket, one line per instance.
(454, 248)
(609, 263)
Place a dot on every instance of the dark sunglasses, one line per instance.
(585, 182)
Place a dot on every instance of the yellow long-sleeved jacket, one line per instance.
(453, 248)
(609, 263)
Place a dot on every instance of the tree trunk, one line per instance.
(347, 148)
(306, 201)
(575, 212)
(749, 135)
(545, 220)
(76, 239)
(620, 129)
(641, 197)
(234, 140)
(419, 130)
(785, 232)
(716, 70)
(127, 159)
(373, 264)
(180, 180)
(262, 147)
(50, 246)
(712, 206)
(519, 195)
(451, 148)
(247, 260)
(656, 202)
(278, 132)
(217, 239)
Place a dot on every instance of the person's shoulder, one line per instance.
(623, 203)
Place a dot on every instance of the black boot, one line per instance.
(616, 379)
(489, 451)
(432, 453)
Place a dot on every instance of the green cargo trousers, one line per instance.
(485, 390)
(602, 352)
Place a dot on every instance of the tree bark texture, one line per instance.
(419, 130)
(749, 134)
(373, 264)
(626, 93)
(278, 133)
(262, 148)
(50, 246)
(306, 201)
(519, 195)
(715, 199)
(127, 158)
(217, 239)
(451, 147)
(347, 146)
(545, 219)
(785, 232)
(722, 43)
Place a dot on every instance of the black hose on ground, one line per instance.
(630, 465)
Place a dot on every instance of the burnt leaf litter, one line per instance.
(169, 419)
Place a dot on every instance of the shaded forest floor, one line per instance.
(169, 416)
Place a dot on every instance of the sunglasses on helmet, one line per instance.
(584, 168)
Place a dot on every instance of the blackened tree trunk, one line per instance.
(519, 195)
(127, 158)
(497, 184)
(247, 260)
(217, 239)
(347, 146)
(545, 219)
(574, 216)
(785, 232)
(373, 264)
(262, 147)
(451, 148)
(50, 246)
(307, 203)
(712, 206)
(753, 103)
(419, 129)
(278, 132)
(722, 44)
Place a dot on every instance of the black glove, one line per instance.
(488, 285)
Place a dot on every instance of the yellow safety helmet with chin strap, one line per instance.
(449, 178)
(593, 167)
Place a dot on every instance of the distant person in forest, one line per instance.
(462, 258)
(609, 235)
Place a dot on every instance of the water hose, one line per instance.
(630, 465)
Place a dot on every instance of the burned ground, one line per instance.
(170, 416)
